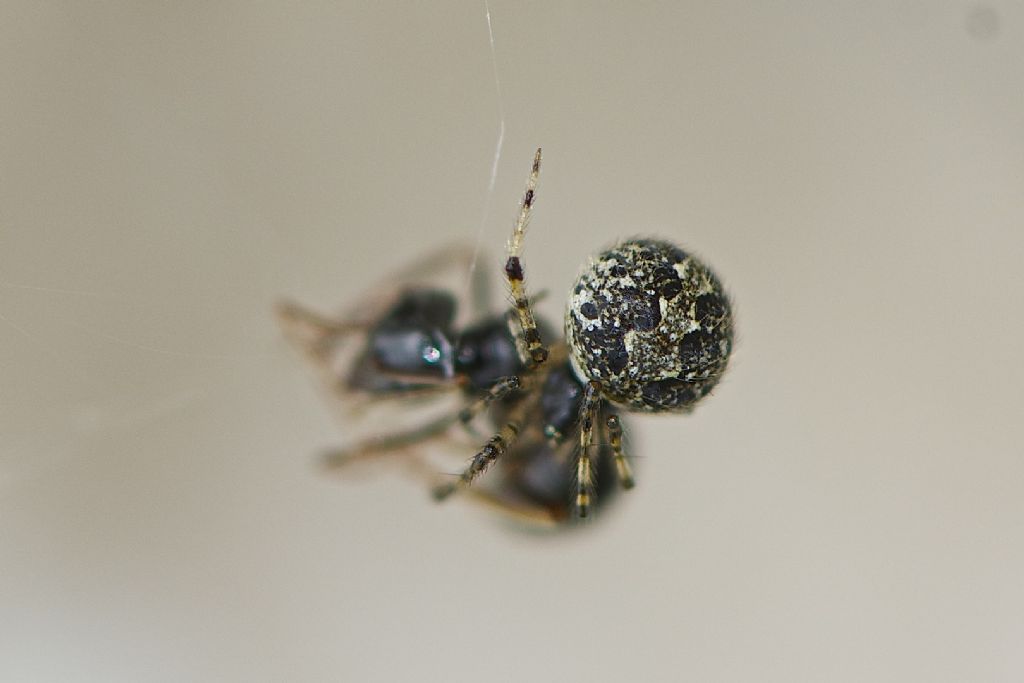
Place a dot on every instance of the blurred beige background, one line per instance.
(848, 505)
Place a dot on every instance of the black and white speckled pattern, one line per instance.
(652, 324)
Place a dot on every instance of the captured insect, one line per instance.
(648, 328)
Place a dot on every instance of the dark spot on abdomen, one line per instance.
(618, 358)
(671, 392)
(709, 306)
(697, 348)
(667, 282)
(648, 314)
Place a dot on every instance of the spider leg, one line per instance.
(584, 471)
(500, 389)
(622, 467)
(492, 450)
(535, 351)
(496, 446)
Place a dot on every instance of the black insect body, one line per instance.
(648, 327)
(410, 347)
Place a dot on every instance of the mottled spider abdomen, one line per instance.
(651, 323)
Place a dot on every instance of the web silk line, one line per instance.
(498, 147)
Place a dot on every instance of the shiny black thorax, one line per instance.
(414, 345)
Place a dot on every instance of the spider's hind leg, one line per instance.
(584, 470)
(590, 410)
(622, 468)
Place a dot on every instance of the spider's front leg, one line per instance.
(494, 449)
(497, 445)
(535, 351)
(532, 351)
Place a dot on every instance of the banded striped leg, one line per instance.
(622, 467)
(493, 449)
(584, 471)
(500, 389)
(535, 351)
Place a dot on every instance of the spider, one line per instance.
(648, 328)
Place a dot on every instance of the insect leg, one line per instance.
(523, 514)
(312, 332)
(388, 443)
(393, 442)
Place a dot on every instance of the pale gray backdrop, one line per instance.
(848, 505)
